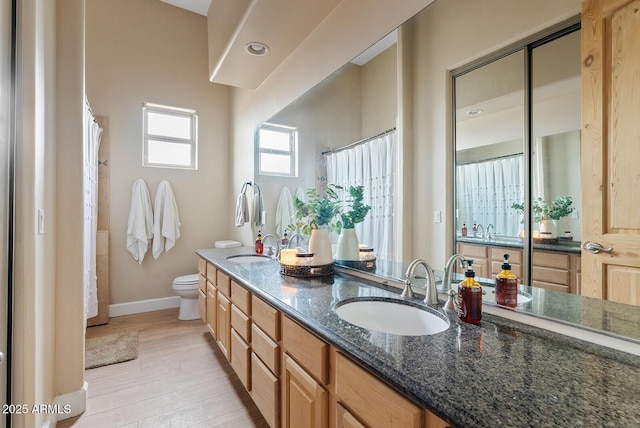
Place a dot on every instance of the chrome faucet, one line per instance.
(449, 268)
(475, 232)
(275, 238)
(431, 293)
(294, 236)
(489, 226)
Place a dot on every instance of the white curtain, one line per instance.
(485, 192)
(92, 134)
(372, 165)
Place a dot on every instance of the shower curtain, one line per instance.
(371, 164)
(92, 134)
(485, 192)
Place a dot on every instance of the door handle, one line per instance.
(595, 248)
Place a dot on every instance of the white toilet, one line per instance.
(186, 287)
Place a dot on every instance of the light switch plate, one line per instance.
(437, 216)
(40, 221)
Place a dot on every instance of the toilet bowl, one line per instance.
(187, 288)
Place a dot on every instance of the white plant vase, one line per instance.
(548, 229)
(320, 246)
(348, 245)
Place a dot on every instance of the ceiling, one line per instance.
(282, 25)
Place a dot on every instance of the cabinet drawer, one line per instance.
(551, 260)
(551, 286)
(265, 391)
(266, 317)
(241, 297)
(312, 353)
(211, 273)
(515, 256)
(241, 354)
(202, 266)
(557, 276)
(241, 323)
(223, 283)
(265, 348)
(472, 251)
(376, 404)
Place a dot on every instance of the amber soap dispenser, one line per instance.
(470, 297)
(506, 286)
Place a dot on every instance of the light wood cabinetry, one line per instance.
(305, 373)
(202, 289)
(265, 360)
(371, 401)
(480, 256)
(241, 333)
(212, 304)
(552, 270)
(295, 378)
(223, 324)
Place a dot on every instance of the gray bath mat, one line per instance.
(112, 349)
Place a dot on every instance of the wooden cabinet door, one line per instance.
(344, 419)
(304, 401)
(610, 149)
(223, 325)
(265, 390)
(212, 304)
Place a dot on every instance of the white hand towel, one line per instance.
(140, 223)
(166, 221)
(285, 212)
(300, 194)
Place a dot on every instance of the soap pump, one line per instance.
(506, 286)
(470, 297)
(259, 244)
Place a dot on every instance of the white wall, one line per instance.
(151, 51)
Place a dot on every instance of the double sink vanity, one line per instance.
(347, 351)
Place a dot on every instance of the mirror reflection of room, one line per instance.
(518, 189)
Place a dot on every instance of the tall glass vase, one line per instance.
(348, 246)
(320, 246)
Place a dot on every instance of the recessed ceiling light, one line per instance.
(474, 112)
(257, 48)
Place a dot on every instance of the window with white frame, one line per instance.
(276, 148)
(170, 137)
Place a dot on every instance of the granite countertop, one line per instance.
(562, 246)
(500, 373)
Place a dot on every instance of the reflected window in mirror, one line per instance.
(276, 147)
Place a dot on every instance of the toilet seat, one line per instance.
(186, 282)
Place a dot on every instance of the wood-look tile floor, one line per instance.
(180, 379)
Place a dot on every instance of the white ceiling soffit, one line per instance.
(197, 6)
(279, 24)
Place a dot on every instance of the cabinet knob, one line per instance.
(595, 248)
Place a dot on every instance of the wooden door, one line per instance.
(223, 325)
(611, 149)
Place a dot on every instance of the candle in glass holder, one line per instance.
(288, 256)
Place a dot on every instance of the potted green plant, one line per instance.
(354, 212)
(317, 216)
(545, 214)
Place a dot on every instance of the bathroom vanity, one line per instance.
(303, 365)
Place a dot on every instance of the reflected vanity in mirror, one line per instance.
(537, 160)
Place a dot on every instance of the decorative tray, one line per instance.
(302, 271)
(358, 264)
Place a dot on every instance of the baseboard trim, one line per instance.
(141, 306)
(65, 406)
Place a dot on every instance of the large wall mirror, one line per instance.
(517, 167)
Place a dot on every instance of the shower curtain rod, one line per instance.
(357, 143)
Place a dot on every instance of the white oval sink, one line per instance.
(392, 317)
(248, 258)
